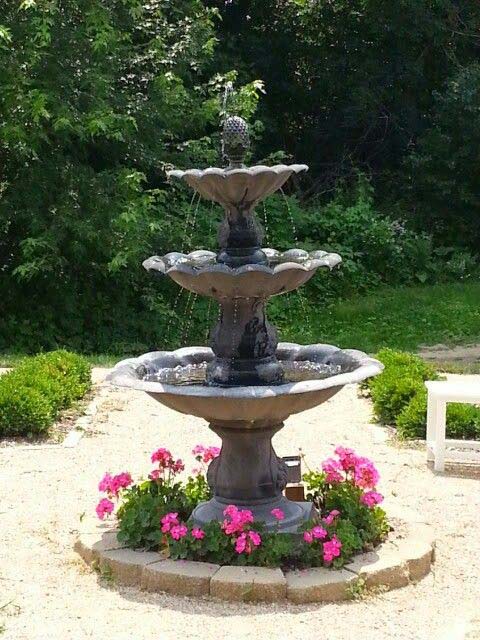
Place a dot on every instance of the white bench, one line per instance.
(439, 393)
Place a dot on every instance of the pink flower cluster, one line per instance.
(371, 499)
(205, 454)
(111, 485)
(104, 507)
(236, 524)
(317, 533)
(172, 526)
(331, 548)
(166, 462)
(348, 466)
(331, 517)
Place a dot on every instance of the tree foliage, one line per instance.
(353, 84)
(99, 98)
(443, 170)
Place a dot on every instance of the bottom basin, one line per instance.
(396, 563)
(295, 513)
(314, 373)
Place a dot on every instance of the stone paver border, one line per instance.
(394, 564)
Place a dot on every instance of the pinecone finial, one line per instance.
(235, 140)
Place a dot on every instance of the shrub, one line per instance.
(463, 421)
(155, 513)
(23, 409)
(402, 379)
(70, 369)
(400, 398)
(32, 395)
(31, 376)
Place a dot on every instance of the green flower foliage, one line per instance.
(32, 395)
(144, 504)
(157, 514)
(359, 527)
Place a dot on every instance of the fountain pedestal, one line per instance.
(244, 344)
(249, 474)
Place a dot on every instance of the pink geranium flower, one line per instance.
(348, 458)
(366, 475)
(331, 517)
(230, 511)
(197, 533)
(239, 518)
(168, 521)
(241, 543)
(247, 541)
(165, 462)
(178, 531)
(308, 537)
(104, 507)
(205, 454)
(162, 456)
(278, 514)
(210, 454)
(120, 481)
(333, 470)
(105, 483)
(319, 533)
(371, 499)
(255, 538)
(177, 466)
(331, 549)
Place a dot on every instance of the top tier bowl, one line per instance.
(243, 187)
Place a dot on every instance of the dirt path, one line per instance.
(442, 353)
(52, 596)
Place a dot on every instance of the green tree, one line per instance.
(349, 83)
(97, 99)
(443, 170)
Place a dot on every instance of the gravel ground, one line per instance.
(46, 593)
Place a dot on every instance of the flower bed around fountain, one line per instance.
(156, 514)
(338, 553)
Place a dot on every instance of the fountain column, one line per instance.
(249, 474)
(244, 344)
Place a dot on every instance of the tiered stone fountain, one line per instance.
(246, 384)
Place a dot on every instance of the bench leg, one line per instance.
(440, 428)
(431, 427)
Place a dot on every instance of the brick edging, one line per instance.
(394, 564)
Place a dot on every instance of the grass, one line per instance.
(464, 368)
(401, 318)
(96, 360)
(404, 318)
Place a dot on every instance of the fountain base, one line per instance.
(296, 513)
(249, 474)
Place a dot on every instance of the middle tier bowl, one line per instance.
(200, 273)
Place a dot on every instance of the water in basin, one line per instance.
(294, 371)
